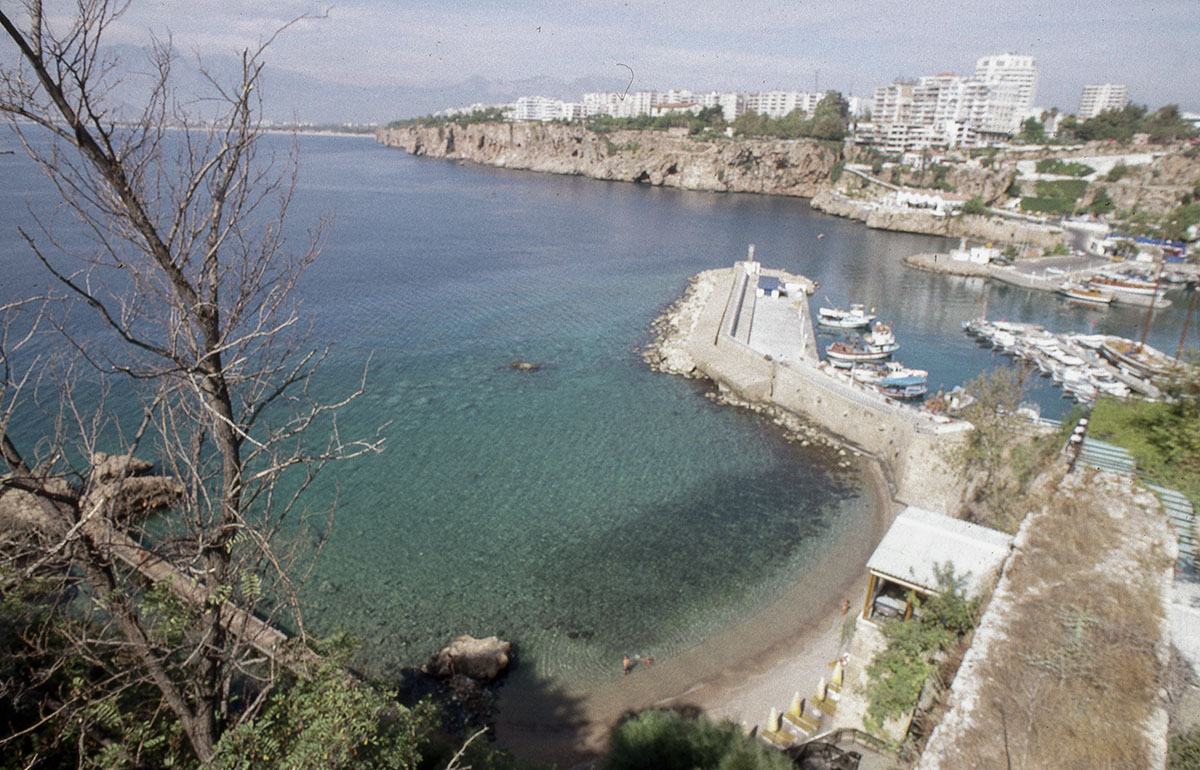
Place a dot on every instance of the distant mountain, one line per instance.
(293, 96)
(290, 96)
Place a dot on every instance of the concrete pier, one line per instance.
(764, 349)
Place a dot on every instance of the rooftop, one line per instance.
(920, 541)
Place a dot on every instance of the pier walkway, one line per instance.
(764, 348)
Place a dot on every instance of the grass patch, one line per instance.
(1047, 205)
(1070, 189)
(1162, 437)
(1063, 168)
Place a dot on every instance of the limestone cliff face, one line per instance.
(652, 157)
(914, 221)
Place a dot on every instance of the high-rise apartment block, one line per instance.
(948, 110)
(1012, 85)
(1097, 99)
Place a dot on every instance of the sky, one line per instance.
(373, 60)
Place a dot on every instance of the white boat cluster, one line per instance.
(1062, 357)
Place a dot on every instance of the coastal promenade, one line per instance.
(764, 350)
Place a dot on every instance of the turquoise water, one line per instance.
(590, 508)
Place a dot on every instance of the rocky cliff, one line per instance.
(652, 157)
(994, 229)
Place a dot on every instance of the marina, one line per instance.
(1084, 365)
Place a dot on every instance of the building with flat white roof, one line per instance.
(1099, 98)
(919, 547)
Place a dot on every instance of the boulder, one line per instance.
(482, 659)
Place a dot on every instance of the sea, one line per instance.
(590, 508)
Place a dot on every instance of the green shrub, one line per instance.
(1117, 172)
(1061, 168)
(974, 206)
(666, 740)
(898, 673)
(1101, 203)
(1183, 753)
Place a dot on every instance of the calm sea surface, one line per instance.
(590, 508)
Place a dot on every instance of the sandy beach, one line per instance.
(739, 674)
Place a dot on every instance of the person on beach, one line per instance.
(626, 665)
(845, 606)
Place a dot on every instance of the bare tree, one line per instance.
(176, 254)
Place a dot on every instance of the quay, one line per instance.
(762, 347)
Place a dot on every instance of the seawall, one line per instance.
(912, 446)
(671, 159)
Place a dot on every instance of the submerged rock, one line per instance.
(481, 659)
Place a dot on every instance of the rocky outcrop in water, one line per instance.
(671, 159)
(480, 659)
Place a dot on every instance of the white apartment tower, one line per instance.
(1097, 99)
(1012, 86)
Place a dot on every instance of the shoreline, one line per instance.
(740, 672)
(737, 674)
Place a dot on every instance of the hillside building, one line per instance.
(1100, 98)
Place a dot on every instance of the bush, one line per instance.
(1101, 203)
(898, 673)
(974, 206)
(1062, 168)
(666, 740)
(1183, 752)
(1117, 172)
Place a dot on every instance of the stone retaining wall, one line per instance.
(912, 447)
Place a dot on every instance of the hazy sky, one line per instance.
(700, 44)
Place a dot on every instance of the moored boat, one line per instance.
(1123, 284)
(1082, 293)
(845, 351)
(856, 317)
(903, 387)
(1143, 359)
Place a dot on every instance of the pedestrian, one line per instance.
(845, 606)
(627, 665)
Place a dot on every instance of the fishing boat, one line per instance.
(903, 387)
(1142, 359)
(1082, 293)
(876, 372)
(881, 337)
(851, 353)
(856, 317)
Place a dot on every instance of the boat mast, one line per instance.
(1195, 289)
(1150, 310)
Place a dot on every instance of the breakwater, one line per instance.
(700, 336)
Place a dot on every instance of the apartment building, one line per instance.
(545, 109)
(947, 110)
(1012, 82)
(776, 104)
(1096, 99)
